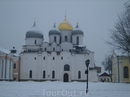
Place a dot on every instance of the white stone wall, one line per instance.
(45, 45)
(28, 62)
(66, 46)
(92, 75)
(51, 39)
(74, 39)
(76, 63)
(91, 58)
(67, 33)
(79, 65)
(31, 41)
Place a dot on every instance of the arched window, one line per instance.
(79, 74)
(61, 58)
(30, 74)
(53, 74)
(44, 73)
(66, 38)
(44, 58)
(35, 42)
(126, 72)
(14, 65)
(55, 38)
(77, 39)
(66, 67)
(53, 49)
(53, 58)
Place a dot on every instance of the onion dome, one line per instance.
(65, 25)
(77, 30)
(34, 32)
(54, 31)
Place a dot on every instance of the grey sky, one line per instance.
(95, 18)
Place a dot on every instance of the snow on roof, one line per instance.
(80, 45)
(4, 50)
(120, 53)
(16, 55)
(104, 74)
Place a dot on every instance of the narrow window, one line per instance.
(43, 58)
(61, 58)
(55, 38)
(35, 58)
(53, 58)
(44, 74)
(53, 74)
(66, 38)
(35, 42)
(30, 74)
(85, 71)
(14, 66)
(79, 74)
(53, 49)
(77, 40)
(45, 48)
(126, 72)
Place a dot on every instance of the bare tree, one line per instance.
(120, 35)
(107, 64)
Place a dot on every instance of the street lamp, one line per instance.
(87, 64)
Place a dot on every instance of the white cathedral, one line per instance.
(62, 59)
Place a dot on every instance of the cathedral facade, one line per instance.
(61, 59)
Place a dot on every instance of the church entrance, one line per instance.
(66, 77)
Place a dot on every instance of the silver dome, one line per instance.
(34, 33)
(77, 30)
(54, 31)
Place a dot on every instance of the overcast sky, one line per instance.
(95, 18)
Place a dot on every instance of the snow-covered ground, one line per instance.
(60, 89)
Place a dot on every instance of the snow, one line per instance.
(60, 89)
(4, 50)
(120, 53)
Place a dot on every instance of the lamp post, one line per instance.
(87, 64)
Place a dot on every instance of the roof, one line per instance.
(4, 50)
(120, 53)
(77, 30)
(65, 25)
(34, 32)
(54, 31)
(8, 52)
(104, 74)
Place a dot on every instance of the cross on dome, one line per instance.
(34, 25)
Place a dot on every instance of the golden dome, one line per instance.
(65, 25)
